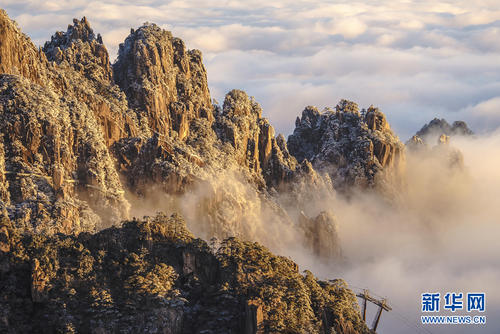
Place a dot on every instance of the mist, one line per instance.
(441, 237)
(439, 234)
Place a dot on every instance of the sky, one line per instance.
(415, 60)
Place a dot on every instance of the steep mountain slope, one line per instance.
(153, 276)
(54, 127)
(86, 144)
(164, 83)
(156, 130)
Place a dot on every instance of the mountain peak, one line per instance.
(161, 77)
(432, 131)
(80, 47)
(79, 30)
(18, 55)
(358, 146)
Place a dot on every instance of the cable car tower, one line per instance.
(382, 305)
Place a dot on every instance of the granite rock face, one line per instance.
(80, 141)
(47, 161)
(18, 55)
(79, 50)
(165, 83)
(82, 49)
(156, 132)
(241, 124)
(57, 167)
(356, 150)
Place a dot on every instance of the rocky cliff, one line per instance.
(164, 83)
(57, 125)
(86, 144)
(355, 149)
(157, 130)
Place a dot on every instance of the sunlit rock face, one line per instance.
(147, 125)
(86, 144)
(83, 132)
(240, 123)
(56, 165)
(18, 55)
(90, 131)
(49, 160)
(164, 82)
(82, 49)
(355, 149)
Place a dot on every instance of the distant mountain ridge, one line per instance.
(441, 126)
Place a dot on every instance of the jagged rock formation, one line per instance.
(435, 128)
(78, 49)
(356, 150)
(78, 146)
(164, 83)
(241, 124)
(17, 53)
(231, 154)
(172, 139)
(82, 49)
(57, 163)
(154, 276)
(41, 158)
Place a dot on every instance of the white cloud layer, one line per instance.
(414, 59)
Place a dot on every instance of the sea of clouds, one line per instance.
(416, 60)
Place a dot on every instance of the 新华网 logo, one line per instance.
(451, 302)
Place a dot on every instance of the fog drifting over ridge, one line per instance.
(415, 60)
(440, 235)
(443, 239)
